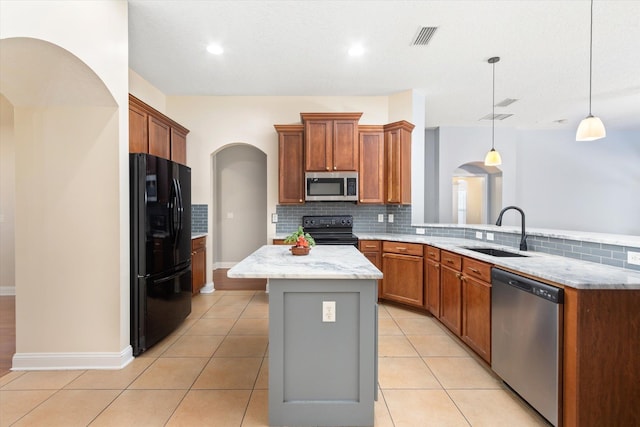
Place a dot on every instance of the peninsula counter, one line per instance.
(322, 334)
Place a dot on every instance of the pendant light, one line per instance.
(493, 157)
(591, 127)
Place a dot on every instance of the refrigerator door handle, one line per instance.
(180, 206)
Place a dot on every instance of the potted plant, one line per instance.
(302, 242)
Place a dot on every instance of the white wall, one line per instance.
(7, 199)
(584, 186)
(558, 182)
(458, 146)
(72, 219)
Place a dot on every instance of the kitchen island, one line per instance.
(322, 334)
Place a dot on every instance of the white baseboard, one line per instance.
(69, 361)
(207, 289)
(6, 291)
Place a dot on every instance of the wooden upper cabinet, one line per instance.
(331, 141)
(152, 132)
(371, 167)
(290, 164)
(159, 138)
(138, 130)
(178, 146)
(398, 162)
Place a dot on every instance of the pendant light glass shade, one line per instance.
(590, 129)
(492, 158)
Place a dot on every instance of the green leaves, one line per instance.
(293, 237)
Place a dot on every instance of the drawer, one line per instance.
(451, 260)
(478, 269)
(432, 253)
(280, 242)
(402, 248)
(369, 245)
(199, 243)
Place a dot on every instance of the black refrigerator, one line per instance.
(160, 248)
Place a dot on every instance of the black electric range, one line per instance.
(330, 229)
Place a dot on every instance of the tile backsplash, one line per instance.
(199, 218)
(365, 220)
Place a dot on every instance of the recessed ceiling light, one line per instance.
(215, 49)
(356, 50)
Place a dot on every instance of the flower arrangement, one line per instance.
(302, 242)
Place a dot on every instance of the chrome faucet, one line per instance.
(523, 236)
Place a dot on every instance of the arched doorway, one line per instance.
(65, 133)
(477, 193)
(239, 210)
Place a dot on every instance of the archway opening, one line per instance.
(477, 193)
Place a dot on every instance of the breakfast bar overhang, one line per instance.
(322, 334)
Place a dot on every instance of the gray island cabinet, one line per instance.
(322, 334)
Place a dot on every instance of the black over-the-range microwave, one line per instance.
(331, 186)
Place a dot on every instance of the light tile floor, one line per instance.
(213, 372)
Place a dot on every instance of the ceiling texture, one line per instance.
(299, 48)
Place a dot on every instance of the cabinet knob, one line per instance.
(328, 168)
(458, 276)
(335, 167)
(437, 265)
(300, 200)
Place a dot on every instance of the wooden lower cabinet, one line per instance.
(371, 250)
(402, 266)
(432, 280)
(476, 316)
(451, 299)
(198, 264)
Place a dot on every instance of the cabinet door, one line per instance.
(402, 282)
(290, 164)
(198, 264)
(392, 164)
(345, 145)
(138, 131)
(371, 171)
(451, 299)
(318, 145)
(432, 286)
(178, 146)
(159, 138)
(476, 316)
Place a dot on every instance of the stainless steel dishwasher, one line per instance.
(526, 339)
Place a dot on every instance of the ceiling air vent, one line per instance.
(424, 35)
(505, 102)
(492, 116)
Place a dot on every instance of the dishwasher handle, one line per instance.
(539, 289)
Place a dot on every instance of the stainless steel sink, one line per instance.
(494, 252)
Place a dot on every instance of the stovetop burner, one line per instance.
(330, 229)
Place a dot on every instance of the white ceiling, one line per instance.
(288, 48)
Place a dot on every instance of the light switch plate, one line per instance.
(274, 218)
(390, 217)
(328, 311)
(489, 236)
(380, 217)
(419, 230)
(479, 235)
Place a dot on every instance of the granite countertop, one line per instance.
(323, 262)
(558, 269)
(198, 235)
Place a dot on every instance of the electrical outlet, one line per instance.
(390, 217)
(479, 235)
(489, 236)
(419, 230)
(274, 218)
(380, 217)
(633, 258)
(328, 311)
